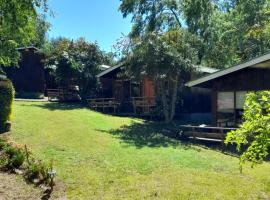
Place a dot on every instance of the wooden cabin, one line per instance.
(29, 76)
(230, 86)
(123, 95)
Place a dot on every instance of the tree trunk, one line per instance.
(164, 102)
(174, 96)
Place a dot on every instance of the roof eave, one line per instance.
(228, 70)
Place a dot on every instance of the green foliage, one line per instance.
(15, 157)
(6, 101)
(151, 15)
(75, 62)
(255, 131)
(17, 27)
(228, 31)
(164, 58)
(11, 156)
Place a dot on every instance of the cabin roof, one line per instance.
(202, 69)
(28, 48)
(258, 62)
(104, 67)
(109, 70)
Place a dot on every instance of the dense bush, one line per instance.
(6, 100)
(255, 131)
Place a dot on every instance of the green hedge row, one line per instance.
(6, 100)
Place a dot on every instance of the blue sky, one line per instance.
(96, 20)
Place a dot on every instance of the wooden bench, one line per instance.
(205, 132)
(103, 103)
(146, 103)
(53, 94)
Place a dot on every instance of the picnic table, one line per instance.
(205, 132)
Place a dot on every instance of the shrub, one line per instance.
(6, 100)
(255, 131)
(14, 157)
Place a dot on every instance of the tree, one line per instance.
(75, 62)
(17, 27)
(255, 131)
(152, 15)
(164, 58)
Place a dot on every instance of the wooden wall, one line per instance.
(29, 76)
(249, 79)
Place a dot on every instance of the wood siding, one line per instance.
(249, 79)
(30, 75)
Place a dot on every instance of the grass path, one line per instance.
(103, 157)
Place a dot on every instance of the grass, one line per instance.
(103, 157)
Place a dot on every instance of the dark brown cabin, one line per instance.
(140, 96)
(230, 86)
(29, 76)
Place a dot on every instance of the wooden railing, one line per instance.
(103, 103)
(145, 103)
(205, 132)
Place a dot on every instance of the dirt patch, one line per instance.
(13, 187)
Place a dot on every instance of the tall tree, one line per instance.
(17, 27)
(164, 58)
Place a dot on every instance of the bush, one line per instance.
(255, 131)
(11, 157)
(6, 100)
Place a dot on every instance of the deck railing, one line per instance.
(143, 103)
(103, 103)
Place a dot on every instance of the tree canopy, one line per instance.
(76, 62)
(18, 26)
(228, 31)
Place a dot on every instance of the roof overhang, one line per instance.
(109, 70)
(258, 62)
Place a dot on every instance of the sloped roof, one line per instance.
(256, 63)
(109, 70)
(104, 67)
(29, 47)
(199, 68)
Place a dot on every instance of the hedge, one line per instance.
(6, 100)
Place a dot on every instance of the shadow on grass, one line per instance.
(57, 106)
(147, 134)
(158, 134)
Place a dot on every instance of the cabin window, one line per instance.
(135, 89)
(240, 99)
(225, 101)
(226, 109)
(230, 108)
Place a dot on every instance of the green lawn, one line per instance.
(103, 157)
